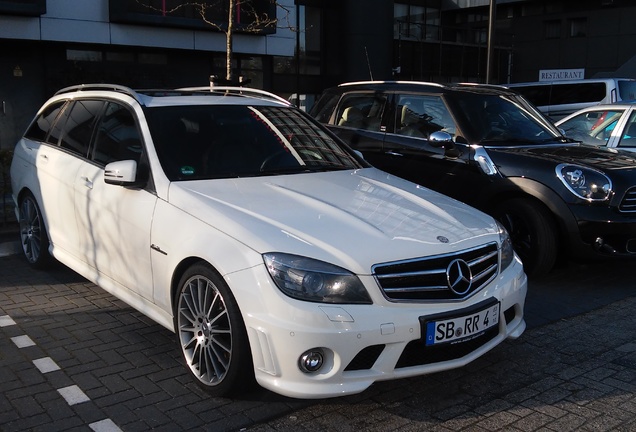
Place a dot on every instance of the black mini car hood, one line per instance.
(606, 160)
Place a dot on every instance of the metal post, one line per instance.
(491, 37)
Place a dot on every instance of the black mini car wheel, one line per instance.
(532, 231)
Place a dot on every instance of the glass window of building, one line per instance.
(578, 27)
(415, 22)
(309, 45)
(552, 29)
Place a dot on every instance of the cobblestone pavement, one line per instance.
(72, 357)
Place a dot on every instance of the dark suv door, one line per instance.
(409, 150)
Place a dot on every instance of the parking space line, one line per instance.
(22, 341)
(73, 395)
(6, 320)
(46, 364)
(105, 425)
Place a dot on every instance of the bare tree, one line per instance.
(253, 19)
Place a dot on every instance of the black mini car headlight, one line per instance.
(585, 183)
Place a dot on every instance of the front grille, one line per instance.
(629, 201)
(426, 279)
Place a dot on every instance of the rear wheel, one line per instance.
(33, 236)
(211, 333)
(532, 232)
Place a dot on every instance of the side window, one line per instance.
(79, 126)
(539, 95)
(629, 134)
(361, 111)
(592, 127)
(324, 108)
(419, 116)
(42, 125)
(117, 136)
(577, 93)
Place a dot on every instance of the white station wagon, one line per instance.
(270, 248)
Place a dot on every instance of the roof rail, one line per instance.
(235, 90)
(422, 83)
(91, 87)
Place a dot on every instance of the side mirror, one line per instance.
(444, 140)
(121, 173)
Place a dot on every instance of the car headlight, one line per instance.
(507, 253)
(585, 183)
(316, 281)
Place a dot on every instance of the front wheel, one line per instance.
(532, 232)
(33, 236)
(211, 333)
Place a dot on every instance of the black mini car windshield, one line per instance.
(224, 141)
(503, 120)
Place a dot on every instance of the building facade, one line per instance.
(51, 44)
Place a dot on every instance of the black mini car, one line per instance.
(489, 147)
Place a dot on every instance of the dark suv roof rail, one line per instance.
(492, 86)
(240, 91)
(108, 87)
(422, 83)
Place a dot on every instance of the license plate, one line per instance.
(462, 328)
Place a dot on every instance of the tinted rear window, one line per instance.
(560, 94)
(577, 93)
(627, 90)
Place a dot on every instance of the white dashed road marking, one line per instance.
(22, 341)
(73, 395)
(46, 365)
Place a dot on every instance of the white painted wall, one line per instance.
(87, 22)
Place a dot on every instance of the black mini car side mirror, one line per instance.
(444, 140)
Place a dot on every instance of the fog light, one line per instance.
(311, 360)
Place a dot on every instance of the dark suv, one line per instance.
(489, 147)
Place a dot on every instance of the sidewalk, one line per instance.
(9, 239)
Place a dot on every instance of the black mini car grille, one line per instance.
(629, 201)
(426, 279)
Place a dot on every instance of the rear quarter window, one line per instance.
(41, 127)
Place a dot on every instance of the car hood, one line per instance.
(607, 160)
(350, 218)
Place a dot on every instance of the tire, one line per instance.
(533, 234)
(33, 235)
(211, 333)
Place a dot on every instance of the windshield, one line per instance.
(223, 141)
(503, 120)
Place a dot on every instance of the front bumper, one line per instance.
(603, 232)
(361, 343)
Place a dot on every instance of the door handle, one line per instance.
(394, 153)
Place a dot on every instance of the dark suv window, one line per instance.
(421, 115)
(361, 111)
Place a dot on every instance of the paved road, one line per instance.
(72, 357)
